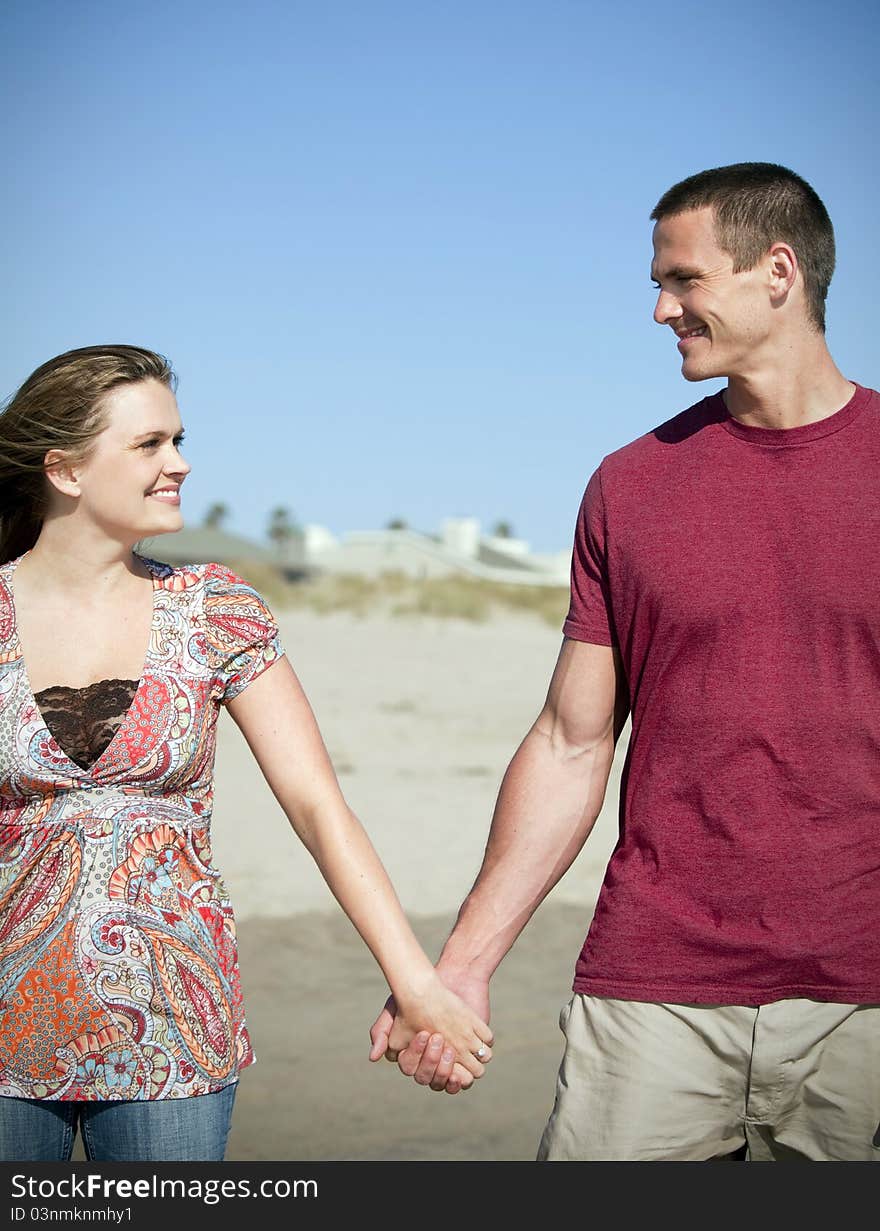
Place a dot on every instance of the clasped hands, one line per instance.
(454, 1049)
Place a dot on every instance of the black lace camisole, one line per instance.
(83, 721)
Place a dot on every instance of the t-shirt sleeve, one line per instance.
(589, 614)
(241, 632)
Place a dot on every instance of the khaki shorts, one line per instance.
(792, 1080)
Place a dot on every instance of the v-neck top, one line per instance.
(118, 963)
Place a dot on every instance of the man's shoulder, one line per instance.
(683, 429)
(873, 395)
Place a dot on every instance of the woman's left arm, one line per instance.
(274, 715)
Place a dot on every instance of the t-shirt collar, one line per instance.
(784, 437)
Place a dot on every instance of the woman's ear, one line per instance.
(62, 472)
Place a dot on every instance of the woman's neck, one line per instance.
(82, 561)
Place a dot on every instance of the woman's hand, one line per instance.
(434, 1008)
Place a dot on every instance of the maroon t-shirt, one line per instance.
(738, 570)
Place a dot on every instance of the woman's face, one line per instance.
(129, 484)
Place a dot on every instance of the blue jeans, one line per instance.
(161, 1130)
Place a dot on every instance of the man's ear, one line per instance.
(62, 472)
(783, 270)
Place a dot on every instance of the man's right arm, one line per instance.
(549, 800)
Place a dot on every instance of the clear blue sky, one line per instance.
(398, 251)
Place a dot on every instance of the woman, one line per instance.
(120, 1001)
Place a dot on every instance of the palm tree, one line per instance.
(215, 515)
(503, 530)
(281, 528)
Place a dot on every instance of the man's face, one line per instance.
(721, 319)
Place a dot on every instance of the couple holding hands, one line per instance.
(723, 590)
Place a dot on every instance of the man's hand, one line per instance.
(431, 1062)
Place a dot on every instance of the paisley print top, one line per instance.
(118, 964)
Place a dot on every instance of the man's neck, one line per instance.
(803, 385)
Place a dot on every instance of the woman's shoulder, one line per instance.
(216, 585)
(6, 607)
(7, 603)
(236, 617)
(7, 568)
(210, 576)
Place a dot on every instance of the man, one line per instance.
(725, 584)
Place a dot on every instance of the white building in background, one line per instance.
(460, 548)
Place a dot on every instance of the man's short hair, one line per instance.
(758, 204)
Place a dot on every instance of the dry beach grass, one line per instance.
(396, 594)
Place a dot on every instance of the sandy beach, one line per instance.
(421, 716)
